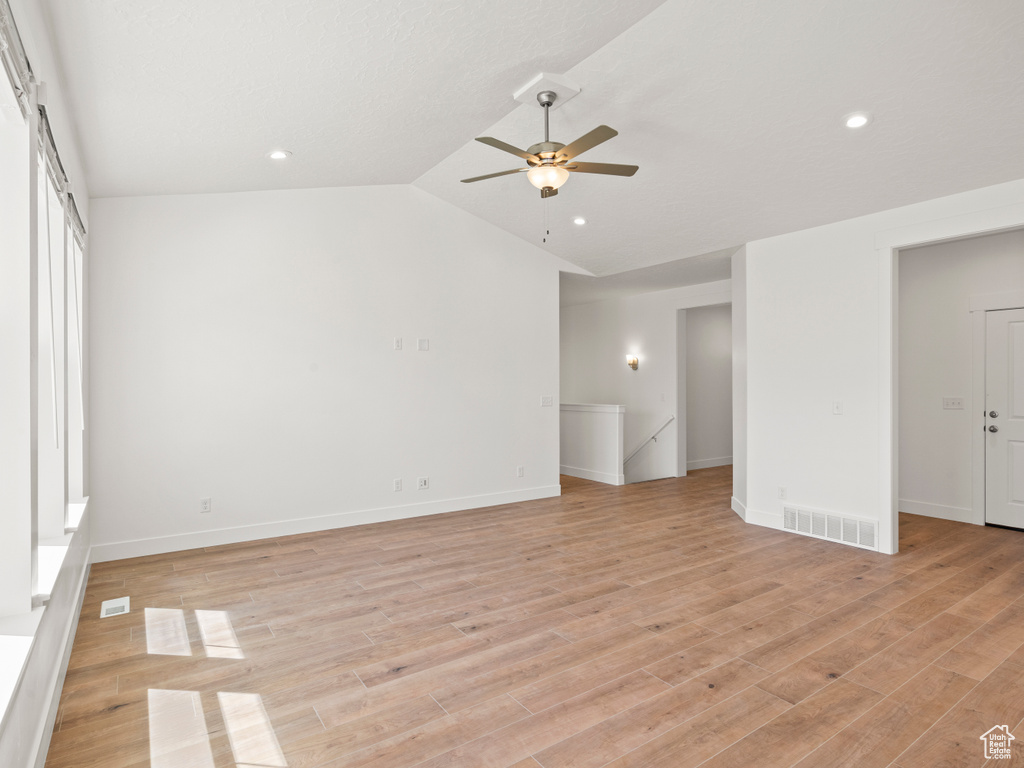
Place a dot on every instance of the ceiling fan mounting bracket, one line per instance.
(559, 84)
(547, 98)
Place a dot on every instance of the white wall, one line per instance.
(820, 329)
(708, 351)
(936, 284)
(591, 440)
(595, 339)
(739, 382)
(243, 351)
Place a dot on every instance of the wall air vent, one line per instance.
(803, 521)
(115, 607)
(848, 530)
(867, 534)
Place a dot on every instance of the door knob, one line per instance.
(993, 428)
(993, 414)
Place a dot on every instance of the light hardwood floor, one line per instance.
(643, 625)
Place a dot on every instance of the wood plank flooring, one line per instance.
(643, 625)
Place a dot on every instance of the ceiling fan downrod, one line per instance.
(546, 150)
(546, 99)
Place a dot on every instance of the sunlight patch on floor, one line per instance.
(177, 730)
(166, 634)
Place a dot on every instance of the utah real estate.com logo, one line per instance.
(997, 743)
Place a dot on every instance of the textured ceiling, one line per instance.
(731, 108)
(584, 289)
(190, 95)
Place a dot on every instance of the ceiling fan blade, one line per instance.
(494, 175)
(612, 169)
(499, 144)
(587, 141)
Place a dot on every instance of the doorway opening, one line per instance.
(704, 380)
(958, 342)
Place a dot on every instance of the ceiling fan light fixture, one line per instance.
(551, 176)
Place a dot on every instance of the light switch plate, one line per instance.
(953, 403)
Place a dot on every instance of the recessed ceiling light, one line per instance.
(857, 119)
(279, 154)
(579, 221)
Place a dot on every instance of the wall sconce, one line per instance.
(633, 361)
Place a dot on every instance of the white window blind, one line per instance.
(12, 54)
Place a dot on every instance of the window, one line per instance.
(42, 260)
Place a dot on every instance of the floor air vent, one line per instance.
(115, 607)
(849, 530)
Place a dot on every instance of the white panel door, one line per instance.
(1004, 418)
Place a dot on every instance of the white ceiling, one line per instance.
(731, 108)
(584, 289)
(183, 96)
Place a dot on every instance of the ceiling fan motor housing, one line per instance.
(545, 150)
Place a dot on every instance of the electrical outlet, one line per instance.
(205, 505)
(422, 483)
(782, 492)
(396, 484)
(398, 343)
(423, 345)
(837, 407)
(519, 471)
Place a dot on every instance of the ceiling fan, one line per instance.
(548, 163)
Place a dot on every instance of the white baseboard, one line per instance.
(118, 550)
(721, 461)
(766, 519)
(739, 508)
(590, 474)
(959, 514)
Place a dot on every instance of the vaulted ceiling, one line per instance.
(732, 108)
